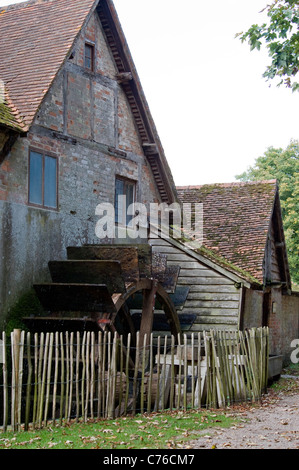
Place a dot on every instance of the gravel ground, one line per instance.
(273, 424)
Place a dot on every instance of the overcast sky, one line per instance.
(214, 112)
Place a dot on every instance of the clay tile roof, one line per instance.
(236, 220)
(35, 37)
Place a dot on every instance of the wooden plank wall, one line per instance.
(213, 297)
(275, 271)
(272, 265)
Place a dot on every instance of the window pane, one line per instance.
(35, 178)
(88, 56)
(129, 200)
(50, 181)
(119, 210)
(124, 197)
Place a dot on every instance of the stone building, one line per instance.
(74, 123)
(76, 131)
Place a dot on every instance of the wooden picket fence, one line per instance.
(59, 377)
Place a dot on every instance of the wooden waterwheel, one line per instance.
(122, 289)
(110, 287)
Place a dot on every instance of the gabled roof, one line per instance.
(36, 38)
(236, 222)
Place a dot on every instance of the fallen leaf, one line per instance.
(52, 444)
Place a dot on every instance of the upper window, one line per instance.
(124, 197)
(89, 57)
(42, 180)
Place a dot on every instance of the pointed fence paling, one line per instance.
(59, 377)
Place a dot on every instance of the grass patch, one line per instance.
(288, 381)
(168, 430)
(291, 369)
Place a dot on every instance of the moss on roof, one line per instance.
(9, 119)
(220, 260)
(227, 265)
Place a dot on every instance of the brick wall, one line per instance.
(283, 318)
(283, 323)
(290, 323)
(275, 322)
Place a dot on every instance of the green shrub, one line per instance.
(27, 305)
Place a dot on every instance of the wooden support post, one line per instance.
(147, 318)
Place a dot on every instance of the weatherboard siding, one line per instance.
(212, 297)
(275, 270)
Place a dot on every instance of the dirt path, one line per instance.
(272, 425)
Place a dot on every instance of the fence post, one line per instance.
(144, 354)
(135, 378)
(55, 384)
(15, 351)
(185, 372)
(48, 378)
(267, 356)
(28, 388)
(150, 380)
(198, 385)
(172, 375)
(5, 391)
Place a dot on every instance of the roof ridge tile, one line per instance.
(227, 185)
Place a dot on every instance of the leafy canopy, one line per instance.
(281, 37)
(283, 165)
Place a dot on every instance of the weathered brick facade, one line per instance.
(86, 122)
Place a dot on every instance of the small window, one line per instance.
(124, 196)
(89, 57)
(42, 180)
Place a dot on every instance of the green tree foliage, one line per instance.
(281, 37)
(283, 165)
